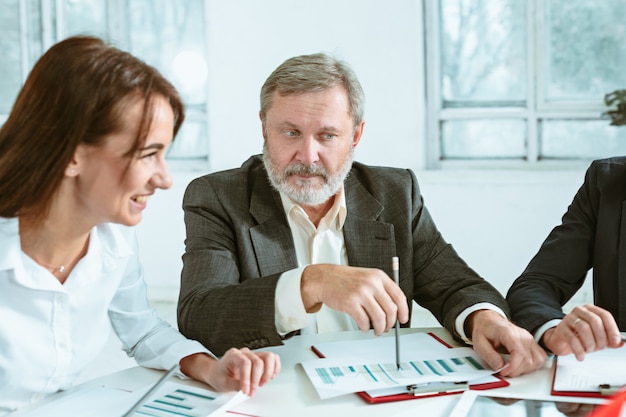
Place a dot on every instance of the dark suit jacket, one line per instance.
(592, 235)
(239, 242)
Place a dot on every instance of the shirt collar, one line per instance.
(337, 212)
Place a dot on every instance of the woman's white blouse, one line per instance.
(49, 332)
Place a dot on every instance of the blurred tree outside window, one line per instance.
(509, 82)
(168, 34)
(519, 82)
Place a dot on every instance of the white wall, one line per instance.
(495, 219)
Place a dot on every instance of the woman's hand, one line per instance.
(238, 370)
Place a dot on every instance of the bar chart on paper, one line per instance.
(176, 400)
(388, 374)
(336, 377)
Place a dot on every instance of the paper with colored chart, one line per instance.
(173, 399)
(177, 400)
(332, 377)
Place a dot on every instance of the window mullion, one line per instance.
(47, 25)
(24, 67)
(432, 15)
(61, 25)
(117, 23)
(534, 78)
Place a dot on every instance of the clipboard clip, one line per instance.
(437, 387)
(608, 389)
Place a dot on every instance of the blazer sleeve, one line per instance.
(220, 305)
(560, 266)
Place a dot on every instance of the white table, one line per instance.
(291, 393)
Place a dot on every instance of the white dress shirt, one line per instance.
(49, 332)
(324, 244)
(544, 328)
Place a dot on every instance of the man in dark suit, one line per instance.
(591, 235)
(302, 239)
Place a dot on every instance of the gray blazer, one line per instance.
(239, 242)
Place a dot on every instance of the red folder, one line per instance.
(409, 396)
(588, 394)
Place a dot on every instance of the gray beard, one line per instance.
(304, 193)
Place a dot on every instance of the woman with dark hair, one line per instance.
(80, 155)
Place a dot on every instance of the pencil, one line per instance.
(395, 266)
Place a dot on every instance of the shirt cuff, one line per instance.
(459, 323)
(541, 330)
(290, 312)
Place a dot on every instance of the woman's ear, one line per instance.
(73, 168)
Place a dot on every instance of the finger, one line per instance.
(353, 306)
(520, 364)
(399, 299)
(485, 350)
(256, 371)
(389, 309)
(361, 317)
(586, 335)
(538, 355)
(376, 315)
(277, 366)
(242, 369)
(519, 361)
(575, 344)
(602, 324)
(614, 338)
(271, 367)
(589, 324)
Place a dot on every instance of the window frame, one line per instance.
(536, 109)
(54, 28)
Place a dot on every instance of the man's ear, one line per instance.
(263, 127)
(358, 132)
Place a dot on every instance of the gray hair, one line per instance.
(311, 73)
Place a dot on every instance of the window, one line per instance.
(514, 82)
(169, 35)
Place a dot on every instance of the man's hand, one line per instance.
(491, 333)
(586, 329)
(368, 295)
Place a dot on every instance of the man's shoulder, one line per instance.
(609, 171)
(616, 163)
(377, 169)
(381, 174)
(387, 185)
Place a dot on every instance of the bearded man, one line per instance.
(301, 239)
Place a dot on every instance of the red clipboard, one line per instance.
(500, 383)
(586, 394)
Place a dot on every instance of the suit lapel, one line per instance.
(271, 238)
(369, 242)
